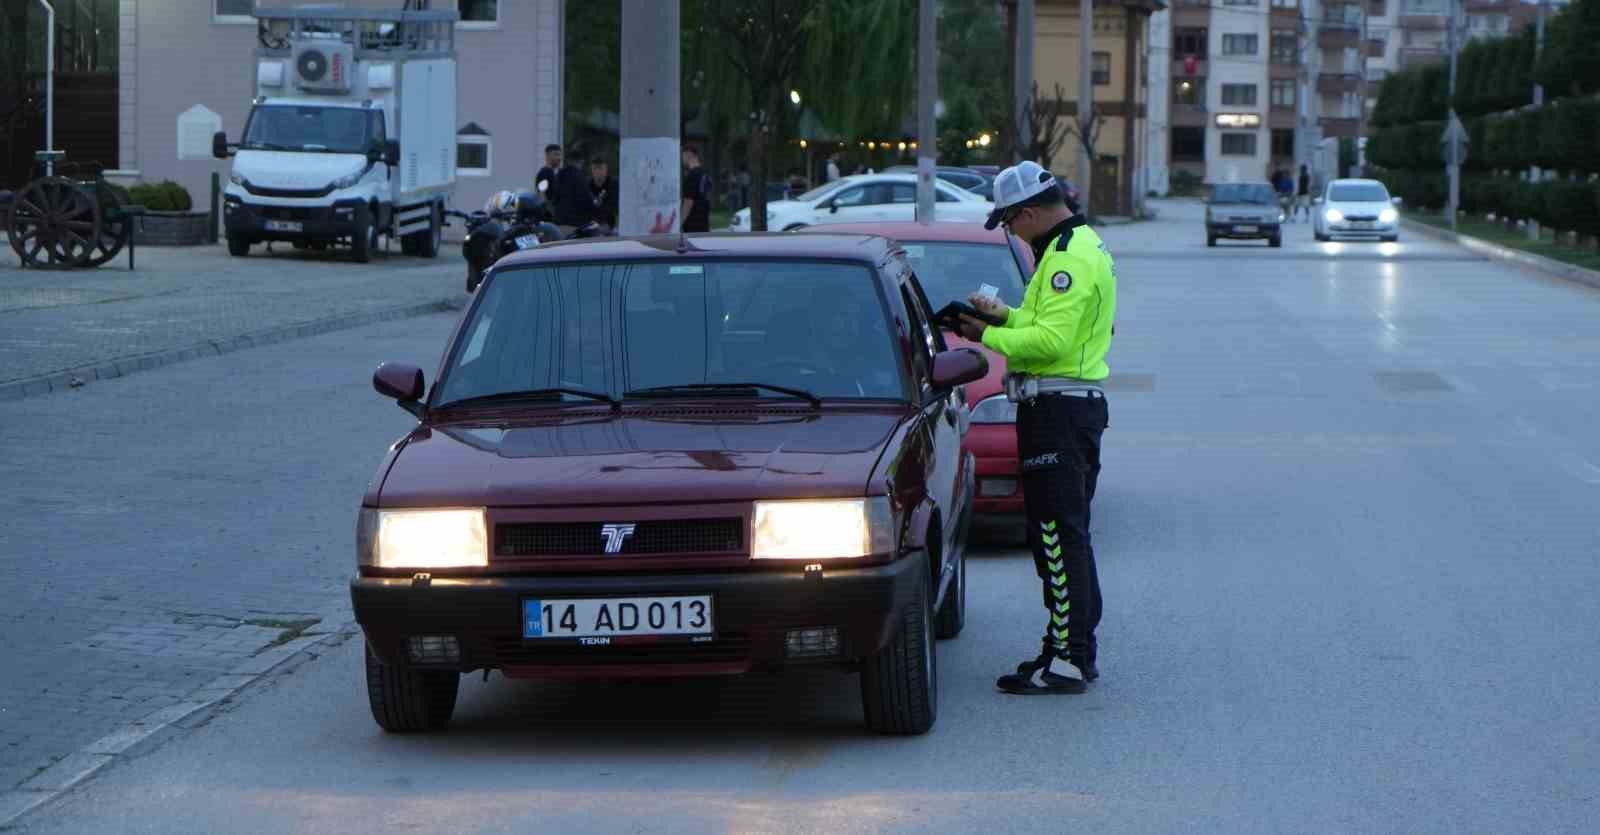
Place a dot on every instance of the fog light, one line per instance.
(997, 486)
(434, 649)
(345, 212)
(819, 642)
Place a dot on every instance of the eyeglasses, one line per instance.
(1010, 215)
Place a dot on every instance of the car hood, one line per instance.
(1359, 208)
(687, 454)
(291, 170)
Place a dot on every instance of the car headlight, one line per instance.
(995, 409)
(1333, 216)
(813, 529)
(422, 538)
(236, 178)
(1388, 216)
(348, 181)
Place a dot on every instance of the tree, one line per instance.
(1048, 126)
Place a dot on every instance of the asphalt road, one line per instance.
(1347, 543)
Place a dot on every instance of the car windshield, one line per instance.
(1359, 193)
(1244, 193)
(616, 328)
(336, 130)
(953, 271)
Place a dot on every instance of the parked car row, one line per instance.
(872, 198)
(759, 458)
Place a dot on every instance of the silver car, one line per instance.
(1355, 209)
(1244, 211)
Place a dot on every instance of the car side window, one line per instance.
(921, 342)
(904, 193)
(854, 196)
(945, 195)
(935, 337)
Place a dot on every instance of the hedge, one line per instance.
(165, 196)
(1568, 205)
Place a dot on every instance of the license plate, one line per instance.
(598, 619)
(527, 241)
(285, 226)
(1245, 228)
(1360, 224)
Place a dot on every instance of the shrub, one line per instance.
(1184, 182)
(165, 196)
(1569, 206)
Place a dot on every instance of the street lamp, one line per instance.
(794, 96)
(984, 140)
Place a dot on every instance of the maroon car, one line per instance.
(674, 456)
(951, 261)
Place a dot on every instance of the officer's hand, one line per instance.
(989, 305)
(972, 328)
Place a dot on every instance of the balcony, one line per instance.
(1336, 83)
(1424, 14)
(1339, 29)
(1285, 17)
(1341, 128)
(1417, 56)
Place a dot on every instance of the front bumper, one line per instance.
(319, 224)
(1374, 229)
(1244, 230)
(994, 447)
(751, 612)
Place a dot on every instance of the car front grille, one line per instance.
(592, 539)
(726, 649)
(1360, 218)
(290, 212)
(261, 191)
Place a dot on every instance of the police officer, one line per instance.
(1055, 348)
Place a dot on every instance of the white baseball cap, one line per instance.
(1016, 185)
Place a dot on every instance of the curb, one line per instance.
(72, 770)
(1559, 269)
(72, 378)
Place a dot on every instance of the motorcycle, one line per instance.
(508, 222)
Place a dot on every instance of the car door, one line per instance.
(942, 416)
(856, 204)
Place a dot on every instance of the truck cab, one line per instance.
(350, 138)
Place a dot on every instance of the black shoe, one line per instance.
(1090, 671)
(1049, 674)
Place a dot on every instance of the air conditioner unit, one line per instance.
(322, 66)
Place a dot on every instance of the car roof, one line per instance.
(865, 249)
(952, 232)
(1356, 181)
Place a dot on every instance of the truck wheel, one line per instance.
(900, 685)
(404, 701)
(953, 614)
(238, 246)
(1211, 241)
(408, 244)
(428, 242)
(362, 243)
(1275, 241)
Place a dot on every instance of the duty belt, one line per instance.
(1022, 388)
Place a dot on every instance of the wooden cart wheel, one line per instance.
(54, 222)
(115, 227)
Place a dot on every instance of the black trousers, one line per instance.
(1058, 440)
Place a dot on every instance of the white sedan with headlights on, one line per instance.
(867, 198)
(1355, 209)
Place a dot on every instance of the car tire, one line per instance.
(362, 243)
(953, 614)
(1211, 240)
(1275, 241)
(474, 278)
(1319, 236)
(407, 701)
(428, 241)
(238, 246)
(900, 684)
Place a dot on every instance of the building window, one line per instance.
(479, 14)
(1189, 91)
(1101, 71)
(1239, 95)
(1377, 8)
(1238, 2)
(1283, 142)
(233, 11)
(1189, 41)
(1239, 44)
(1285, 4)
(1283, 93)
(474, 155)
(1238, 144)
(1285, 46)
(1188, 144)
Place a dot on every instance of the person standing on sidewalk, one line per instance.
(1055, 347)
(696, 209)
(1302, 200)
(547, 174)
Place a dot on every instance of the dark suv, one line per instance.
(675, 456)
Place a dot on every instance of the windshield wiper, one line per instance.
(269, 146)
(722, 388)
(532, 394)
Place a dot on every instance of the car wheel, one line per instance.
(1211, 240)
(1275, 241)
(1319, 236)
(953, 614)
(405, 701)
(238, 246)
(900, 685)
(362, 243)
(428, 241)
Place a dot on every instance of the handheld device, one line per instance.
(949, 316)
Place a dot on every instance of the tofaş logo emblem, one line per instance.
(615, 534)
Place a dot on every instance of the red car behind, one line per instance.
(951, 261)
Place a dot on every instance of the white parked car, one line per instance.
(867, 198)
(1355, 209)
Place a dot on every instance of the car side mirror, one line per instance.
(833, 207)
(219, 145)
(1395, 201)
(1316, 201)
(401, 382)
(958, 367)
(391, 152)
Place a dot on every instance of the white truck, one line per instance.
(351, 136)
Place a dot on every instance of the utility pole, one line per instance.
(1534, 174)
(1361, 95)
(648, 179)
(1023, 50)
(49, 87)
(927, 95)
(1086, 101)
(1453, 143)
